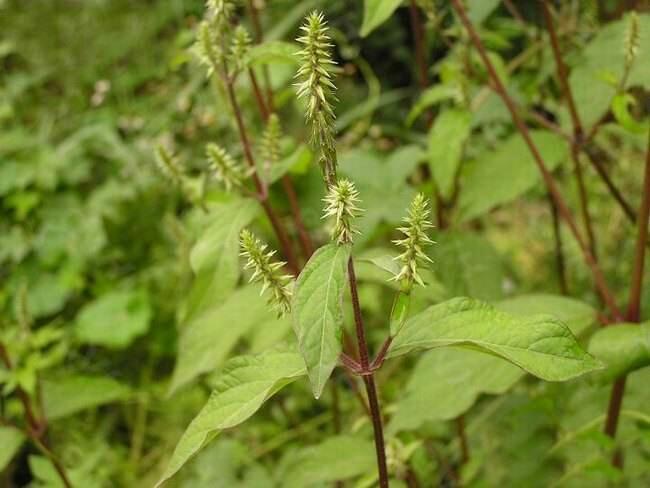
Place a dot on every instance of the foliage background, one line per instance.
(95, 247)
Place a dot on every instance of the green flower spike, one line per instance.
(224, 167)
(316, 86)
(271, 138)
(169, 165)
(415, 232)
(632, 40)
(208, 49)
(267, 271)
(341, 203)
(241, 44)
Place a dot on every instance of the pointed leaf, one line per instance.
(317, 312)
(10, 439)
(375, 13)
(446, 138)
(246, 383)
(208, 338)
(541, 345)
(622, 347)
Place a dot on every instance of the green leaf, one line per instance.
(576, 315)
(246, 383)
(11, 439)
(594, 80)
(622, 347)
(375, 13)
(302, 156)
(65, 396)
(115, 319)
(215, 256)
(468, 265)
(317, 311)
(447, 382)
(431, 96)
(540, 345)
(503, 175)
(479, 10)
(621, 109)
(337, 458)
(273, 52)
(210, 336)
(446, 138)
(399, 312)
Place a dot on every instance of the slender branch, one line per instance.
(633, 313)
(562, 74)
(279, 229)
(552, 188)
(462, 435)
(368, 379)
(35, 428)
(559, 249)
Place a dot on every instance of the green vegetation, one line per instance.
(306, 244)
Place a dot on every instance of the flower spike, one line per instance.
(316, 86)
(169, 165)
(341, 203)
(632, 40)
(266, 271)
(224, 167)
(415, 232)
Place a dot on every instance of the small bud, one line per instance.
(271, 138)
(632, 40)
(415, 232)
(223, 167)
(239, 48)
(169, 165)
(316, 86)
(341, 203)
(267, 271)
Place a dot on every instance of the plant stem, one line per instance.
(368, 379)
(462, 435)
(633, 313)
(559, 249)
(552, 188)
(35, 428)
(279, 229)
(562, 74)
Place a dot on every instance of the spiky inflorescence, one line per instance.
(225, 169)
(632, 40)
(271, 139)
(315, 85)
(267, 271)
(169, 165)
(415, 232)
(220, 14)
(208, 48)
(341, 203)
(239, 48)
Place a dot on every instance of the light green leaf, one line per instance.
(446, 138)
(246, 383)
(621, 109)
(115, 319)
(302, 156)
(540, 345)
(502, 175)
(274, 51)
(375, 13)
(10, 439)
(468, 265)
(431, 96)
(66, 396)
(337, 458)
(447, 382)
(593, 81)
(576, 315)
(479, 10)
(317, 312)
(215, 256)
(622, 347)
(210, 336)
(399, 312)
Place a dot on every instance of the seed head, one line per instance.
(208, 48)
(266, 271)
(169, 165)
(271, 138)
(341, 203)
(220, 15)
(632, 39)
(239, 48)
(224, 168)
(316, 86)
(415, 232)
